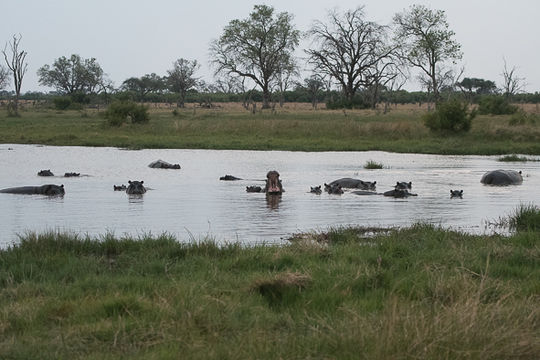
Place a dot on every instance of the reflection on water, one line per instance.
(192, 202)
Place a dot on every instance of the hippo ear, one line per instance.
(452, 192)
(62, 186)
(397, 183)
(374, 182)
(129, 182)
(461, 192)
(410, 183)
(142, 182)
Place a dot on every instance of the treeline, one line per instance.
(331, 99)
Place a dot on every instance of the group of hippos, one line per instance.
(273, 185)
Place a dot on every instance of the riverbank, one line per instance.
(293, 127)
(419, 292)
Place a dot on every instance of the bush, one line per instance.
(522, 118)
(343, 103)
(495, 105)
(120, 112)
(62, 103)
(451, 115)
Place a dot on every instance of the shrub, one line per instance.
(495, 105)
(120, 112)
(451, 115)
(520, 117)
(373, 165)
(62, 103)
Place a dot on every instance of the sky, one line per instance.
(131, 38)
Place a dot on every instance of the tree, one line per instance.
(181, 79)
(313, 85)
(149, 83)
(512, 84)
(474, 86)
(73, 76)
(351, 50)
(17, 65)
(427, 43)
(258, 48)
(4, 77)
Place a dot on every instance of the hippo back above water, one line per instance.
(350, 183)
(49, 190)
(502, 177)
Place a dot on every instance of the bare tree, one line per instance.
(426, 43)
(512, 83)
(258, 48)
(350, 49)
(17, 65)
(4, 77)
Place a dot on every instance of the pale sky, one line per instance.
(131, 38)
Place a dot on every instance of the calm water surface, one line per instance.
(192, 202)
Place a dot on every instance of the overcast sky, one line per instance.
(131, 38)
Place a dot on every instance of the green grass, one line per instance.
(419, 292)
(285, 129)
(373, 165)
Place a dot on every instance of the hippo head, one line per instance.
(315, 189)
(456, 193)
(273, 183)
(333, 189)
(52, 190)
(136, 188)
(368, 185)
(402, 185)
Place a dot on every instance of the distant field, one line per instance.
(295, 126)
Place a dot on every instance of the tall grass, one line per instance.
(420, 292)
(284, 129)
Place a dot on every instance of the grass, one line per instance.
(525, 217)
(419, 292)
(373, 165)
(293, 127)
(515, 158)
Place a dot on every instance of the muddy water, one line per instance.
(192, 202)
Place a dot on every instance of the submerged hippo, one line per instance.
(49, 190)
(333, 189)
(315, 190)
(135, 188)
(120, 187)
(502, 177)
(403, 185)
(229, 178)
(273, 183)
(160, 164)
(350, 183)
(45, 173)
(399, 193)
(253, 189)
(456, 194)
(71, 174)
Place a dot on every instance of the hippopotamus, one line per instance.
(399, 193)
(120, 187)
(456, 194)
(135, 188)
(333, 189)
(502, 177)
(160, 164)
(49, 190)
(253, 189)
(315, 190)
(273, 183)
(45, 173)
(403, 185)
(71, 174)
(354, 184)
(229, 178)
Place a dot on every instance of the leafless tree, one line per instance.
(4, 77)
(16, 63)
(512, 84)
(181, 78)
(350, 49)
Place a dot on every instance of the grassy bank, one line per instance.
(420, 292)
(293, 127)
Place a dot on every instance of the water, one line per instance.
(192, 202)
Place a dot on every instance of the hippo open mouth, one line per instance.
(273, 184)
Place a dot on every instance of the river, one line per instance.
(192, 203)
